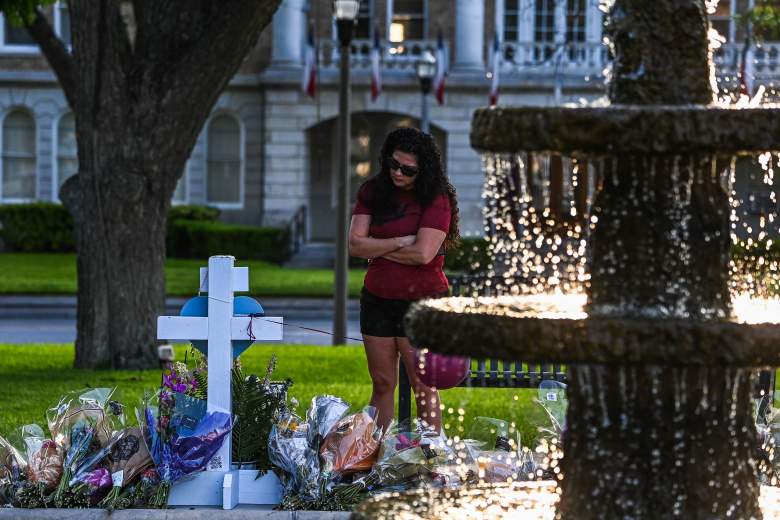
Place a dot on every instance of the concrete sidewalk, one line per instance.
(200, 513)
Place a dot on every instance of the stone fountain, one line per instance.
(660, 419)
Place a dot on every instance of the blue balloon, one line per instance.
(242, 306)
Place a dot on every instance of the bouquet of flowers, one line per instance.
(44, 458)
(408, 454)
(294, 447)
(176, 451)
(352, 444)
(12, 467)
(81, 423)
(127, 459)
(92, 485)
(288, 449)
(552, 398)
(325, 411)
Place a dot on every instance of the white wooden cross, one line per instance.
(220, 484)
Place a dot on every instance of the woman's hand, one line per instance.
(425, 247)
(363, 246)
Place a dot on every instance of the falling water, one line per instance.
(538, 222)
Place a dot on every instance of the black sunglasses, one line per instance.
(408, 171)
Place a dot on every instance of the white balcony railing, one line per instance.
(766, 59)
(582, 58)
(401, 56)
(570, 58)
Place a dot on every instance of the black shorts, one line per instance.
(384, 317)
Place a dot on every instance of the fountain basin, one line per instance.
(534, 330)
(627, 129)
(526, 500)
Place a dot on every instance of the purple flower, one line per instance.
(98, 479)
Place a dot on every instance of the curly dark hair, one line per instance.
(430, 182)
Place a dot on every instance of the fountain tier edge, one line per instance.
(627, 129)
(557, 330)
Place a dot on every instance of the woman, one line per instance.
(404, 220)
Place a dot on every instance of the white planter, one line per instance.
(227, 489)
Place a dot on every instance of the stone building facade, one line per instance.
(268, 150)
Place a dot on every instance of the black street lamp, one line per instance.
(345, 12)
(426, 69)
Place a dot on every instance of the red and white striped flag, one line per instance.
(496, 65)
(309, 82)
(441, 70)
(376, 67)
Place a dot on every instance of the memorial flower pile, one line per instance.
(91, 456)
(330, 458)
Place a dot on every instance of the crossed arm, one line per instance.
(417, 249)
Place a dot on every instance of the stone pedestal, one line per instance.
(657, 442)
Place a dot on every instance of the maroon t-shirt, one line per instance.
(388, 279)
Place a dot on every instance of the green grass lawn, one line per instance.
(55, 273)
(34, 376)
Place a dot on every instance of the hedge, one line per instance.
(192, 212)
(201, 239)
(36, 227)
(470, 256)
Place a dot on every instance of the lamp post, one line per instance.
(426, 69)
(345, 12)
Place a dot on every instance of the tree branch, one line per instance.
(56, 53)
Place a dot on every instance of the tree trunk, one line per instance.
(121, 243)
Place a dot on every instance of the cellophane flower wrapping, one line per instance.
(82, 423)
(128, 458)
(288, 450)
(323, 414)
(552, 398)
(44, 458)
(409, 453)
(12, 468)
(352, 444)
(293, 446)
(180, 452)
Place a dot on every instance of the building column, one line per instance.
(594, 21)
(525, 33)
(288, 34)
(469, 35)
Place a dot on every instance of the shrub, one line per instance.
(469, 257)
(201, 239)
(192, 212)
(36, 227)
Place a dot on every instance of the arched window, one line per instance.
(67, 157)
(224, 162)
(19, 166)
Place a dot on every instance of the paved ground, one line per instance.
(201, 513)
(52, 319)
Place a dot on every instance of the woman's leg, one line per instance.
(382, 357)
(427, 398)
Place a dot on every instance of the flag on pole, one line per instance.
(309, 82)
(441, 70)
(495, 70)
(747, 72)
(376, 67)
